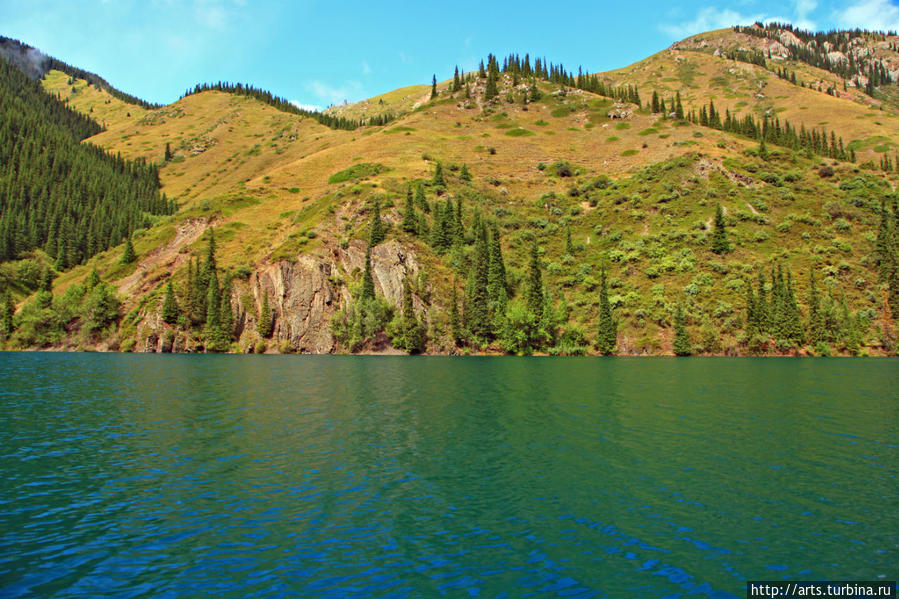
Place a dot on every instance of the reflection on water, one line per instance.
(342, 476)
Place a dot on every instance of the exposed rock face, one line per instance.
(302, 299)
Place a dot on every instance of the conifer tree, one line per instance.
(8, 312)
(93, 279)
(569, 246)
(678, 108)
(719, 234)
(411, 337)
(763, 150)
(265, 325)
(227, 311)
(682, 345)
(815, 325)
(410, 222)
(893, 298)
(434, 87)
(455, 320)
(884, 249)
(209, 265)
(168, 151)
(376, 231)
(368, 283)
(438, 181)
(46, 280)
(477, 314)
(128, 255)
(497, 294)
(763, 314)
(607, 339)
(534, 285)
(457, 83)
(420, 199)
(170, 312)
(464, 175)
(752, 318)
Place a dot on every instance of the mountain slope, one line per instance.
(609, 193)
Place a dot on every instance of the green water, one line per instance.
(129, 475)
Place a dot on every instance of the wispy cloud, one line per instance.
(301, 106)
(334, 94)
(869, 14)
(707, 19)
(804, 10)
(366, 70)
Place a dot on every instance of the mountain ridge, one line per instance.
(603, 186)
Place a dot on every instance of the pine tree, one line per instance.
(534, 285)
(497, 294)
(455, 321)
(682, 345)
(752, 318)
(368, 283)
(168, 151)
(93, 279)
(763, 313)
(763, 150)
(265, 325)
(457, 83)
(411, 330)
(678, 108)
(569, 246)
(128, 255)
(170, 312)
(6, 317)
(464, 175)
(883, 256)
(477, 314)
(376, 231)
(815, 325)
(420, 201)
(893, 298)
(209, 265)
(46, 280)
(227, 311)
(607, 339)
(719, 234)
(410, 222)
(438, 180)
(434, 87)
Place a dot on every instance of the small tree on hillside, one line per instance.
(170, 311)
(719, 234)
(682, 345)
(265, 324)
(128, 255)
(377, 231)
(607, 339)
(434, 87)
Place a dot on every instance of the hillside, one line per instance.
(518, 214)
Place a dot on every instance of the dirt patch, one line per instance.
(165, 255)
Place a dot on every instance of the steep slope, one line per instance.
(618, 202)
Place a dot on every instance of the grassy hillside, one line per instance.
(634, 196)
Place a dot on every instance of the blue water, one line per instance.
(341, 476)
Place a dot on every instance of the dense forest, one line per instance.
(69, 198)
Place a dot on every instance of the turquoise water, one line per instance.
(341, 476)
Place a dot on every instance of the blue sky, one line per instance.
(318, 53)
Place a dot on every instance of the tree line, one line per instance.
(69, 198)
(284, 105)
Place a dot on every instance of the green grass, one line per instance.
(519, 132)
(357, 171)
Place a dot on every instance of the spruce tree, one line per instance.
(762, 310)
(420, 201)
(170, 312)
(411, 330)
(368, 283)
(93, 279)
(265, 325)
(893, 297)
(477, 314)
(464, 175)
(128, 255)
(376, 231)
(719, 234)
(607, 338)
(678, 108)
(6, 317)
(438, 181)
(883, 256)
(534, 285)
(168, 151)
(752, 318)
(410, 222)
(434, 87)
(497, 294)
(569, 246)
(815, 325)
(227, 311)
(46, 280)
(682, 345)
(456, 330)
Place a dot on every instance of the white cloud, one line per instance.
(366, 70)
(869, 14)
(329, 94)
(310, 107)
(804, 9)
(707, 19)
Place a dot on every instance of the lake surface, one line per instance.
(343, 476)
